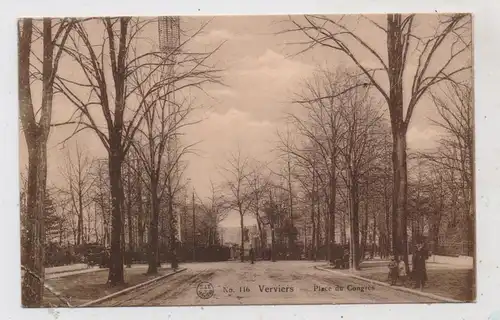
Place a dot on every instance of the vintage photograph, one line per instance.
(246, 160)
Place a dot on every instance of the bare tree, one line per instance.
(236, 174)
(122, 108)
(35, 122)
(456, 146)
(306, 175)
(288, 174)
(275, 212)
(216, 210)
(322, 127)
(452, 33)
(359, 149)
(258, 182)
(102, 198)
(79, 183)
(158, 148)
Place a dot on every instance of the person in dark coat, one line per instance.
(419, 270)
(252, 255)
(345, 259)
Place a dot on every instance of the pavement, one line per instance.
(269, 283)
(78, 269)
(63, 271)
(61, 274)
(67, 268)
(377, 263)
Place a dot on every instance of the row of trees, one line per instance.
(346, 161)
(78, 211)
(121, 85)
(413, 63)
(333, 180)
(345, 165)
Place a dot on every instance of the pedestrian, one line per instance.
(393, 271)
(252, 255)
(402, 271)
(345, 259)
(419, 271)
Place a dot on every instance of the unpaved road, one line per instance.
(284, 282)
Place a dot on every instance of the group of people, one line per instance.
(397, 268)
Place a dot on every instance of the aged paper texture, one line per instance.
(246, 160)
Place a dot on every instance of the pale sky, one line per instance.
(260, 80)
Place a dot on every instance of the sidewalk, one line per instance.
(60, 273)
(464, 261)
(451, 281)
(74, 269)
(431, 263)
(85, 287)
(67, 268)
(63, 271)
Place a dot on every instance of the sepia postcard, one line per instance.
(246, 160)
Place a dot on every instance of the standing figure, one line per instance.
(419, 270)
(252, 255)
(345, 259)
(402, 271)
(393, 271)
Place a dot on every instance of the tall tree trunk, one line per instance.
(81, 235)
(387, 214)
(343, 230)
(413, 233)
(129, 220)
(153, 229)
(313, 224)
(161, 231)
(172, 228)
(331, 209)
(469, 195)
(400, 233)
(106, 229)
(395, 50)
(116, 273)
(364, 231)
(354, 206)
(36, 136)
(122, 243)
(318, 228)
(374, 235)
(259, 224)
(314, 217)
(34, 247)
(79, 226)
(290, 199)
(140, 212)
(242, 246)
(332, 202)
(96, 228)
(328, 230)
(273, 244)
(261, 234)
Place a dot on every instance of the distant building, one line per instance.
(231, 235)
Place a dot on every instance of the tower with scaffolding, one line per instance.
(169, 41)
